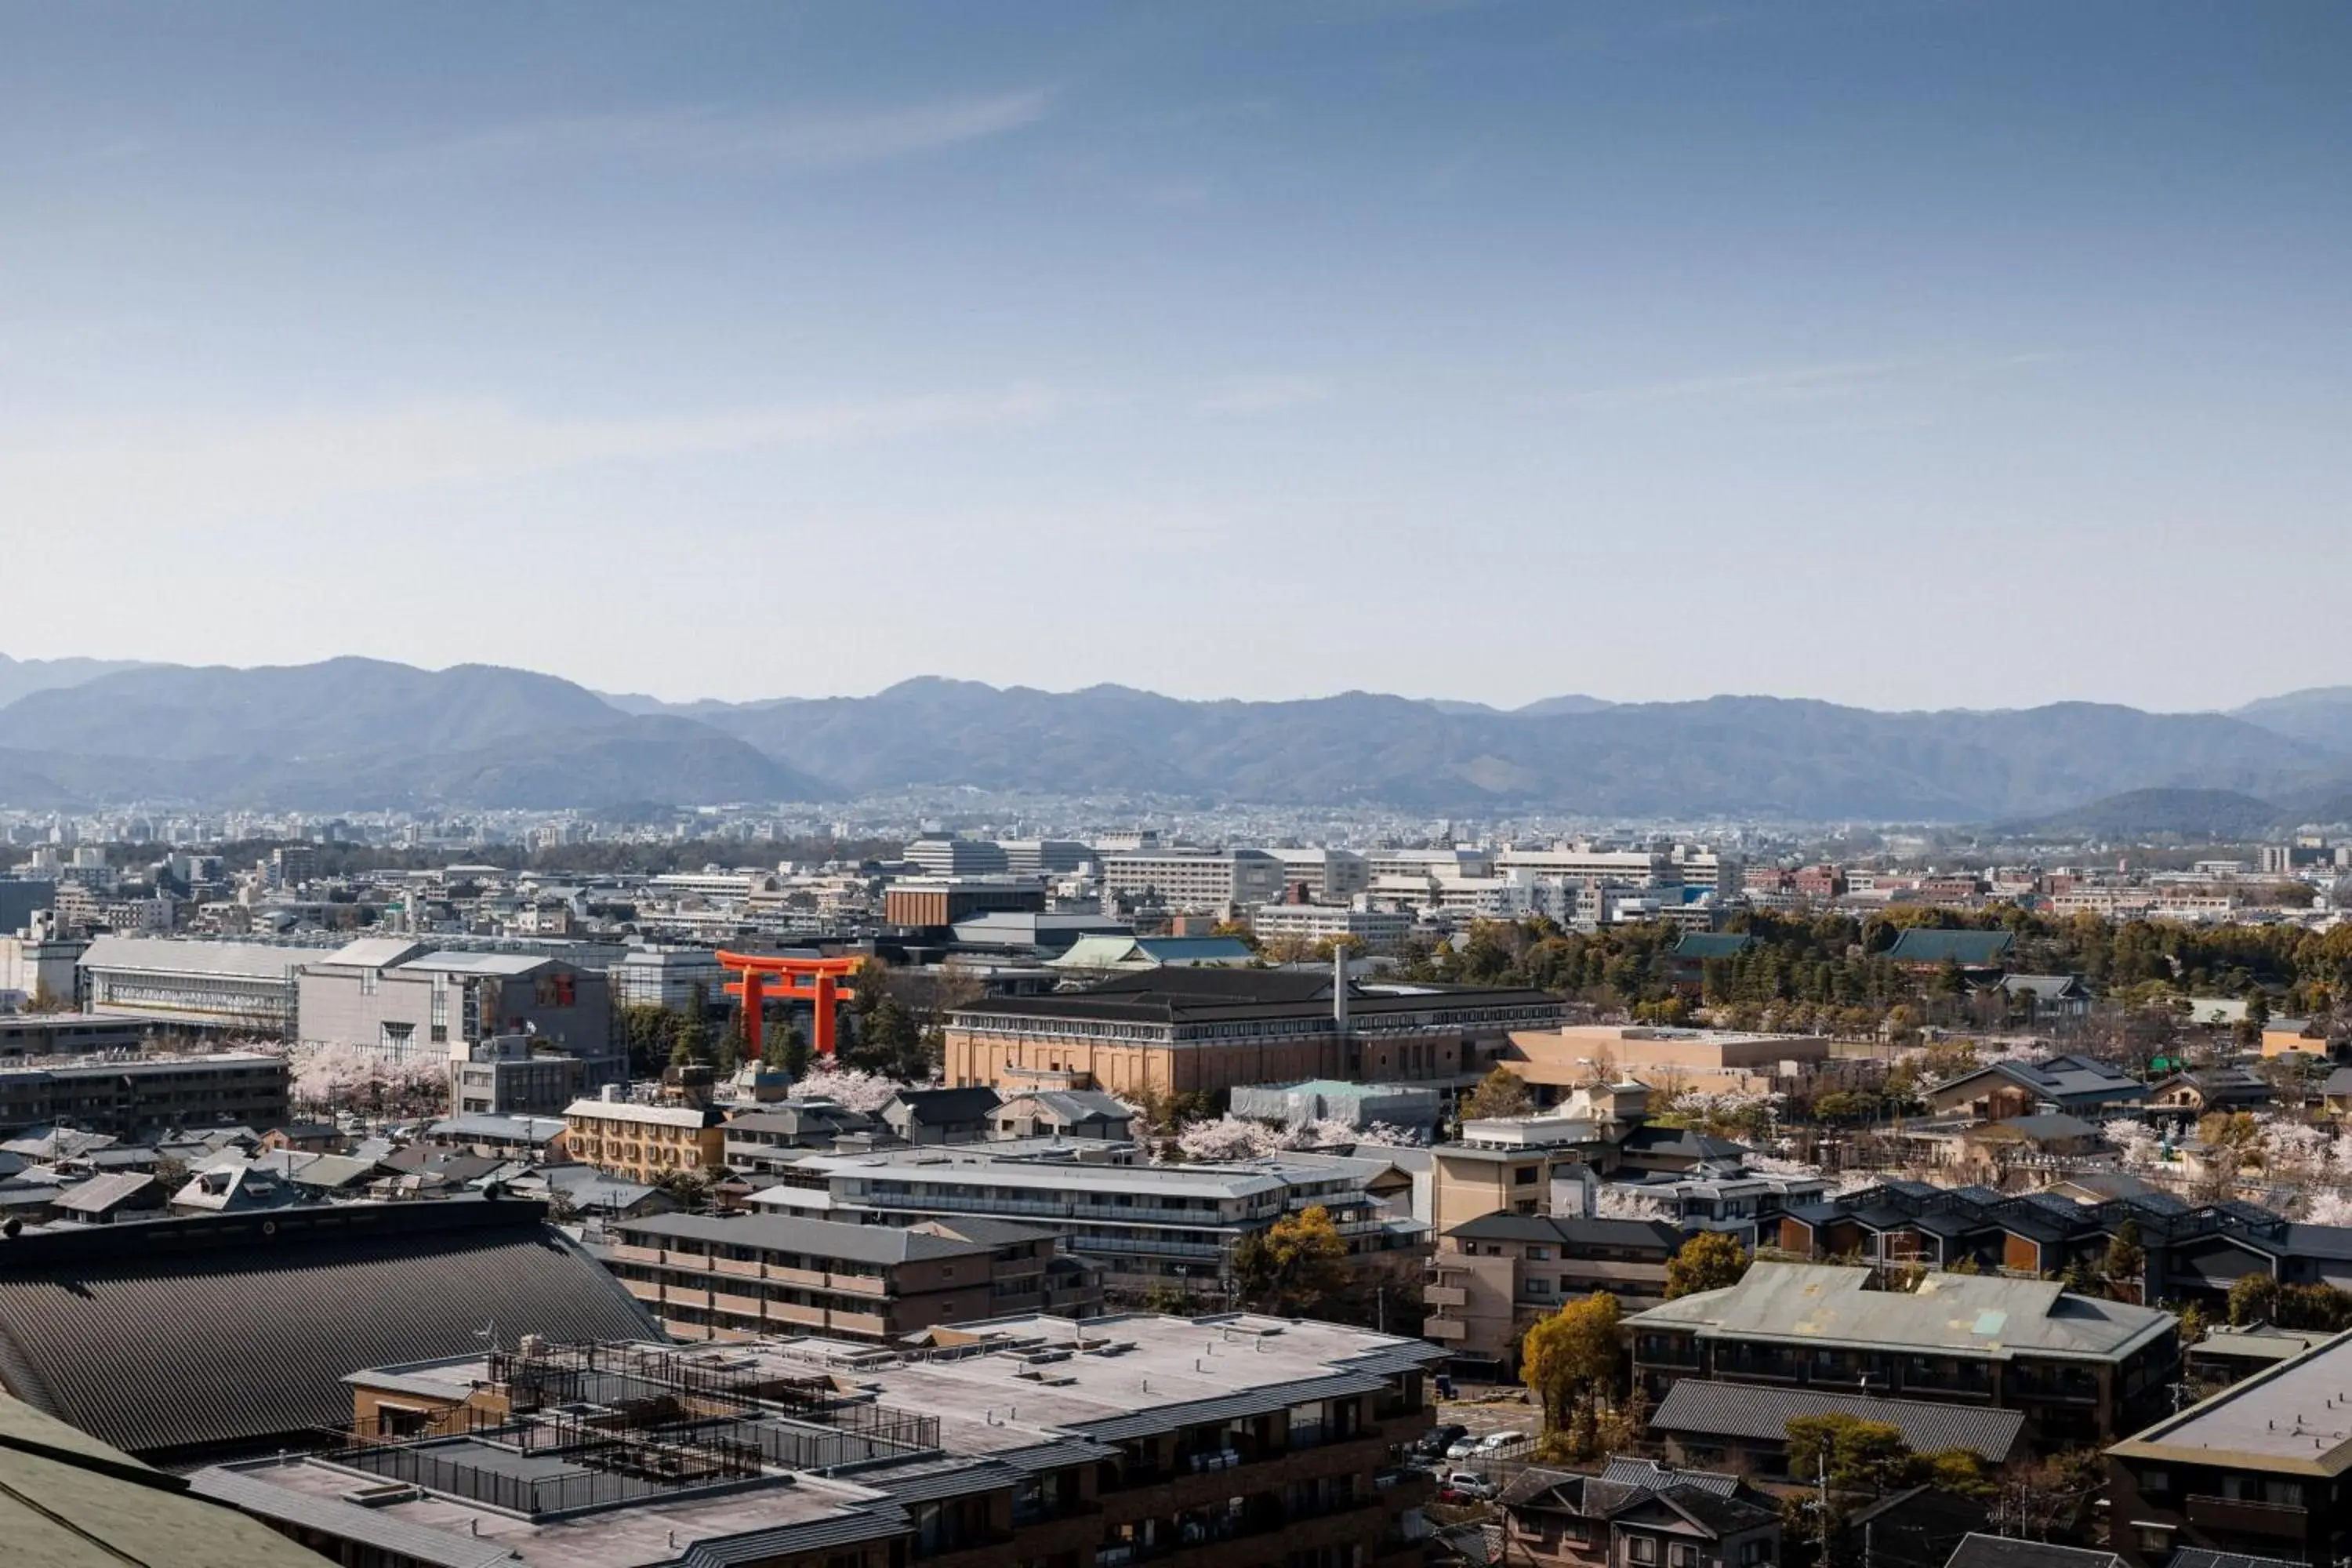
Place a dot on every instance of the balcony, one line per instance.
(2232, 1516)
(1444, 1295)
(1447, 1330)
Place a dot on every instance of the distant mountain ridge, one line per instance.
(366, 734)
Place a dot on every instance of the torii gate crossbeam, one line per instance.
(760, 976)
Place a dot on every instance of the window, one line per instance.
(1683, 1554)
(394, 1038)
(2155, 1540)
(1640, 1549)
(1523, 1176)
(367, 981)
(2156, 1482)
(1540, 1255)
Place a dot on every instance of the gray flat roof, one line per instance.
(834, 1239)
(2296, 1416)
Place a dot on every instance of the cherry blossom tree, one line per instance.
(1228, 1137)
(853, 1089)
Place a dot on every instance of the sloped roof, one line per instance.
(101, 1194)
(1706, 945)
(1968, 949)
(67, 1500)
(252, 960)
(877, 1244)
(2000, 1552)
(172, 1335)
(373, 952)
(1762, 1413)
(936, 1107)
(1979, 1314)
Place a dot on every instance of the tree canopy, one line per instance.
(1709, 1261)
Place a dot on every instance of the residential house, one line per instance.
(2074, 1084)
(1064, 1113)
(921, 1116)
(1636, 1512)
(2202, 1091)
(1744, 1427)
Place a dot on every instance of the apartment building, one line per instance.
(1553, 1062)
(665, 977)
(1249, 1441)
(1175, 1030)
(747, 1275)
(1038, 857)
(26, 1035)
(1210, 879)
(234, 986)
(645, 1142)
(1492, 1279)
(404, 999)
(1172, 1226)
(1369, 929)
(2258, 1469)
(2080, 1369)
(513, 1075)
(1330, 876)
(130, 1096)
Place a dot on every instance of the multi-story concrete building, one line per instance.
(1330, 876)
(404, 999)
(1169, 1225)
(1043, 857)
(1370, 928)
(2259, 1470)
(1492, 1279)
(944, 900)
(645, 1142)
(513, 1075)
(747, 1275)
(1212, 880)
(67, 1034)
(1247, 1441)
(2081, 1369)
(667, 977)
(223, 986)
(41, 967)
(134, 1097)
(1181, 1030)
(944, 854)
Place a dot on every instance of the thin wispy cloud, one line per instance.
(792, 141)
(270, 466)
(1806, 383)
(1265, 395)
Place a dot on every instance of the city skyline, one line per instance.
(1484, 352)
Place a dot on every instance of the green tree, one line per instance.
(2125, 1263)
(1501, 1092)
(1710, 1260)
(1293, 1266)
(793, 1052)
(2255, 1299)
(2192, 1324)
(1573, 1352)
(690, 1042)
(1857, 1452)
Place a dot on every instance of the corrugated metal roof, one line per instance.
(1232, 1408)
(2002, 1551)
(870, 1521)
(236, 1331)
(250, 960)
(1743, 1410)
(929, 1480)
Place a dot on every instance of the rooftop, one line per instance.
(1762, 1413)
(2292, 1418)
(880, 1243)
(1981, 1315)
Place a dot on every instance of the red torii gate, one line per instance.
(754, 971)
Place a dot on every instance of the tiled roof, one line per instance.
(172, 1334)
(2204, 1557)
(877, 1244)
(2000, 1552)
(1970, 949)
(1744, 1410)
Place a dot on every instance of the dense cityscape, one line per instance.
(1251, 784)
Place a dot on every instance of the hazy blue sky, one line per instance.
(1904, 353)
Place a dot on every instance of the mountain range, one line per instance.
(356, 734)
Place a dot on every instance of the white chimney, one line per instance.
(1340, 988)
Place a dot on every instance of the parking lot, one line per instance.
(1481, 1418)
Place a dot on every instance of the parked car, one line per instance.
(1466, 1486)
(1462, 1448)
(1437, 1439)
(1494, 1443)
